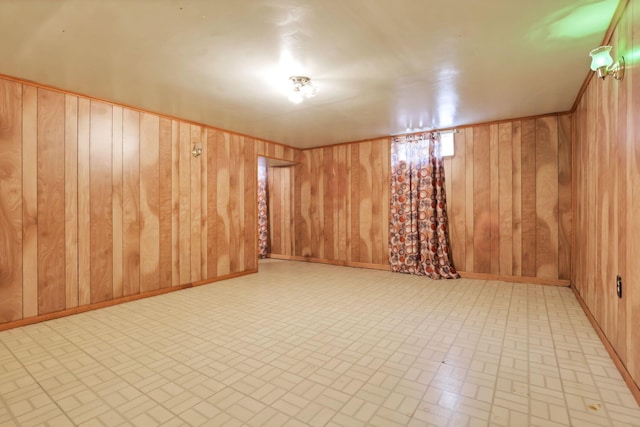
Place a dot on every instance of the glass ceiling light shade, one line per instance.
(301, 88)
(602, 63)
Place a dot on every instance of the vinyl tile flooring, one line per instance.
(302, 344)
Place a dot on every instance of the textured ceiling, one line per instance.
(382, 67)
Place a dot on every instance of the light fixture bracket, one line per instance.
(301, 88)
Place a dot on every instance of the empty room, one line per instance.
(319, 213)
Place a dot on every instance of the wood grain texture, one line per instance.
(606, 177)
(505, 198)
(469, 203)
(10, 201)
(71, 199)
(212, 213)
(175, 203)
(456, 202)
(117, 203)
(185, 203)
(547, 198)
(204, 223)
(250, 198)
(29, 201)
(131, 202)
(84, 198)
(223, 221)
(516, 209)
(149, 203)
(528, 183)
(101, 212)
(51, 234)
(482, 217)
(564, 196)
(196, 206)
(165, 206)
(494, 197)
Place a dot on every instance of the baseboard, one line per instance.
(515, 279)
(103, 304)
(480, 276)
(332, 262)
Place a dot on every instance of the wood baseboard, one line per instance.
(332, 262)
(626, 376)
(97, 305)
(515, 279)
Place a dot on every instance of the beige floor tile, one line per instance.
(315, 345)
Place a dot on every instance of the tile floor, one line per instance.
(307, 344)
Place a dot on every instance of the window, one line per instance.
(446, 143)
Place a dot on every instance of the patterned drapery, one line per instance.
(263, 210)
(418, 226)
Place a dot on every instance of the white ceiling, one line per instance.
(382, 66)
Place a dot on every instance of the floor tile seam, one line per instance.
(504, 333)
(51, 399)
(469, 311)
(573, 328)
(121, 378)
(2, 400)
(545, 293)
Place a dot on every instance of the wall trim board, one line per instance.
(479, 276)
(331, 262)
(469, 125)
(515, 279)
(104, 304)
(617, 15)
(626, 376)
(141, 110)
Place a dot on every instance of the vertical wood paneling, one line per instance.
(494, 197)
(564, 196)
(131, 202)
(303, 206)
(505, 202)
(51, 235)
(328, 196)
(101, 213)
(204, 207)
(365, 196)
(235, 209)
(117, 203)
(212, 213)
(528, 151)
(316, 206)
(71, 199)
(10, 201)
(355, 205)
(385, 163)
(547, 198)
(516, 169)
(175, 203)
(185, 203)
(196, 206)
(249, 198)
(482, 226)
(30, 201)
(378, 246)
(222, 207)
(165, 203)
(84, 199)
(469, 204)
(149, 202)
(456, 202)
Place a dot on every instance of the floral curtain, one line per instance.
(418, 226)
(263, 210)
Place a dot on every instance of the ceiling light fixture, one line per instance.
(301, 88)
(603, 63)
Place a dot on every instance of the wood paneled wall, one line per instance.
(340, 204)
(607, 199)
(281, 182)
(100, 202)
(509, 198)
(508, 191)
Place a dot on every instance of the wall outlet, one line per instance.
(619, 286)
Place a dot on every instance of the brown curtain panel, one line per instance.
(263, 210)
(418, 226)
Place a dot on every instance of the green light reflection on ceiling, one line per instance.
(577, 22)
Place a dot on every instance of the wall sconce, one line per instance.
(603, 63)
(301, 88)
(197, 151)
